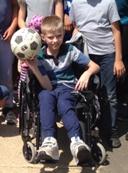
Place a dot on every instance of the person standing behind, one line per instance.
(8, 25)
(123, 12)
(122, 6)
(68, 25)
(30, 8)
(99, 26)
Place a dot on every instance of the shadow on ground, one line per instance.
(8, 130)
(65, 164)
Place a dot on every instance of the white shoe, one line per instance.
(49, 150)
(80, 151)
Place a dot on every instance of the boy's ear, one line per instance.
(42, 37)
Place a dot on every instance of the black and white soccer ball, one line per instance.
(25, 43)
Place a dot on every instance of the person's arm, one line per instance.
(59, 8)
(11, 29)
(119, 67)
(83, 81)
(43, 79)
(22, 13)
(68, 25)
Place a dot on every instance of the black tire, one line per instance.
(83, 130)
(98, 153)
(29, 152)
(24, 119)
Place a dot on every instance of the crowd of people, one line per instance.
(104, 31)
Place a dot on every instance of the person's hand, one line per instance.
(32, 63)
(82, 82)
(8, 33)
(119, 68)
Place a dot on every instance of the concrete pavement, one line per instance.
(12, 160)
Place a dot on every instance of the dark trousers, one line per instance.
(108, 86)
(61, 102)
(124, 34)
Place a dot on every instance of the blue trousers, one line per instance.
(61, 102)
(6, 65)
(108, 83)
(4, 93)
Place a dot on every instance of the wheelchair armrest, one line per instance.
(94, 83)
(86, 95)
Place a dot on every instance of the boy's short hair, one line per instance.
(51, 24)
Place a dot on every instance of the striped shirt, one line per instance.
(61, 70)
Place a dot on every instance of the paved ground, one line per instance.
(12, 160)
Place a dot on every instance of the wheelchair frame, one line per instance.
(88, 111)
(29, 122)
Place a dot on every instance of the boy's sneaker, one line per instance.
(10, 118)
(80, 151)
(49, 150)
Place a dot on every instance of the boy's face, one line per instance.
(54, 39)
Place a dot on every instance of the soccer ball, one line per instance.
(25, 43)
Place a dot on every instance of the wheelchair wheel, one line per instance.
(98, 153)
(29, 152)
(25, 112)
(25, 121)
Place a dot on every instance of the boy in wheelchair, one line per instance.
(55, 60)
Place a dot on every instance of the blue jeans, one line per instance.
(4, 92)
(61, 102)
(108, 83)
(6, 65)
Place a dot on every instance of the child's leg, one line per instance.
(6, 64)
(4, 94)
(47, 103)
(108, 80)
(49, 149)
(66, 108)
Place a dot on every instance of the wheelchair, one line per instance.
(87, 109)
(29, 122)
(88, 112)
